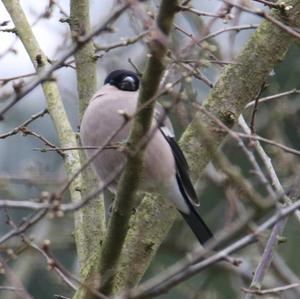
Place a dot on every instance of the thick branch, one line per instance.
(54, 102)
(85, 57)
(119, 222)
(89, 220)
(240, 83)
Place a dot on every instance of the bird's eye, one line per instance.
(128, 84)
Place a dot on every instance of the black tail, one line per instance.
(187, 190)
(197, 225)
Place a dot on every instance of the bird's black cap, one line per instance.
(123, 80)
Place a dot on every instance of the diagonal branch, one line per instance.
(240, 83)
(46, 73)
(195, 263)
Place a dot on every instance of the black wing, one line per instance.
(182, 166)
(194, 220)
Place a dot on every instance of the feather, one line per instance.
(187, 190)
(182, 167)
(194, 220)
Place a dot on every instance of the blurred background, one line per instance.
(25, 171)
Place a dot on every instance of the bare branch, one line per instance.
(269, 167)
(46, 73)
(124, 43)
(26, 224)
(237, 28)
(194, 264)
(92, 215)
(124, 201)
(274, 97)
(268, 17)
(24, 124)
(17, 285)
(272, 291)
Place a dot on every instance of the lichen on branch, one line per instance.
(124, 202)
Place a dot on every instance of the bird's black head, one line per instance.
(123, 80)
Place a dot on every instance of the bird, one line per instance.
(165, 167)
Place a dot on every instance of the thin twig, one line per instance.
(8, 288)
(26, 132)
(273, 290)
(267, 256)
(26, 224)
(188, 267)
(112, 146)
(200, 13)
(269, 167)
(271, 4)
(266, 16)
(232, 172)
(124, 43)
(52, 262)
(46, 74)
(236, 28)
(278, 228)
(24, 124)
(274, 97)
(255, 108)
(248, 154)
(17, 284)
(3, 81)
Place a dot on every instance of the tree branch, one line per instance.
(46, 72)
(239, 84)
(124, 203)
(195, 263)
(54, 102)
(89, 221)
